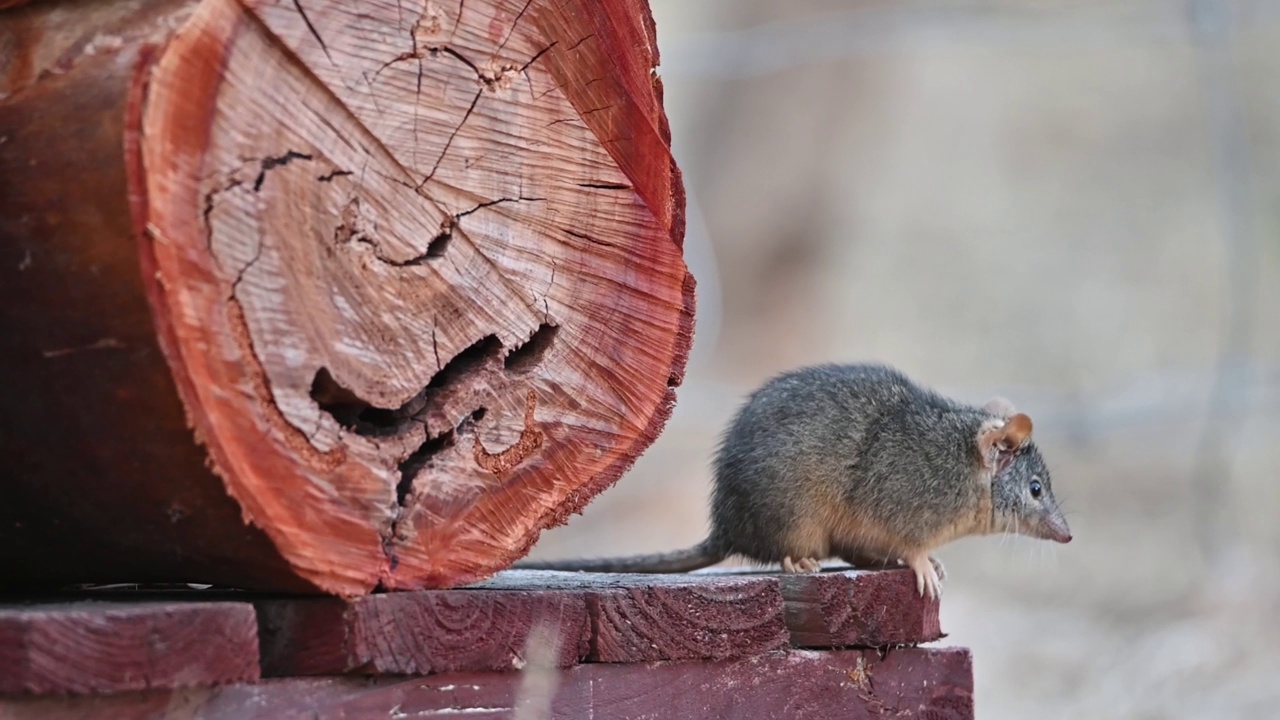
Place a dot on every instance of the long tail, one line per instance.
(676, 561)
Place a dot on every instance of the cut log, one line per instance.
(312, 295)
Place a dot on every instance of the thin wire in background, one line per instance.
(1211, 481)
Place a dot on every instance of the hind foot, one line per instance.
(803, 565)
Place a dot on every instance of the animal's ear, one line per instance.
(1016, 432)
(1000, 407)
(997, 439)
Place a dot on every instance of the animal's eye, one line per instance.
(1036, 488)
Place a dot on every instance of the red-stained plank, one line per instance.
(858, 608)
(640, 618)
(799, 685)
(416, 633)
(95, 646)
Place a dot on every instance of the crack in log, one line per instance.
(417, 102)
(457, 56)
(363, 418)
(210, 200)
(440, 243)
(593, 111)
(514, 24)
(314, 33)
(588, 238)
(347, 231)
(449, 142)
(575, 45)
(488, 81)
(537, 55)
(335, 174)
(530, 354)
(435, 345)
(418, 460)
(605, 186)
(257, 255)
(462, 7)
(271, 163)
(524, 68)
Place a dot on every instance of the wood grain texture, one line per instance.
(796, 685)
(416, 633)
(642, 618)
(612, 618)
(858, 608)
(101, 647)
(410, 274)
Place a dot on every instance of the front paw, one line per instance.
(928, 582)
(938, 568)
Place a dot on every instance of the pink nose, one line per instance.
(1055, 528)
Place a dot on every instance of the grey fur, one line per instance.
(860, 446)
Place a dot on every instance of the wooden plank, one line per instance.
(416, 633)
(615, 618)
(95, 646)
(936, 684)
(858, 608)
(642, 618)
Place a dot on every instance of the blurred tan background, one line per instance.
(1074, 204)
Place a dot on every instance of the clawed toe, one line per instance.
(928, 582)
(803, 565)
(938, 568)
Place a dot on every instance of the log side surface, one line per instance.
(797, 685)
(107, 647)
(320, 296)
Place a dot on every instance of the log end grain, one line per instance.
(438, 302)
(411, 278)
